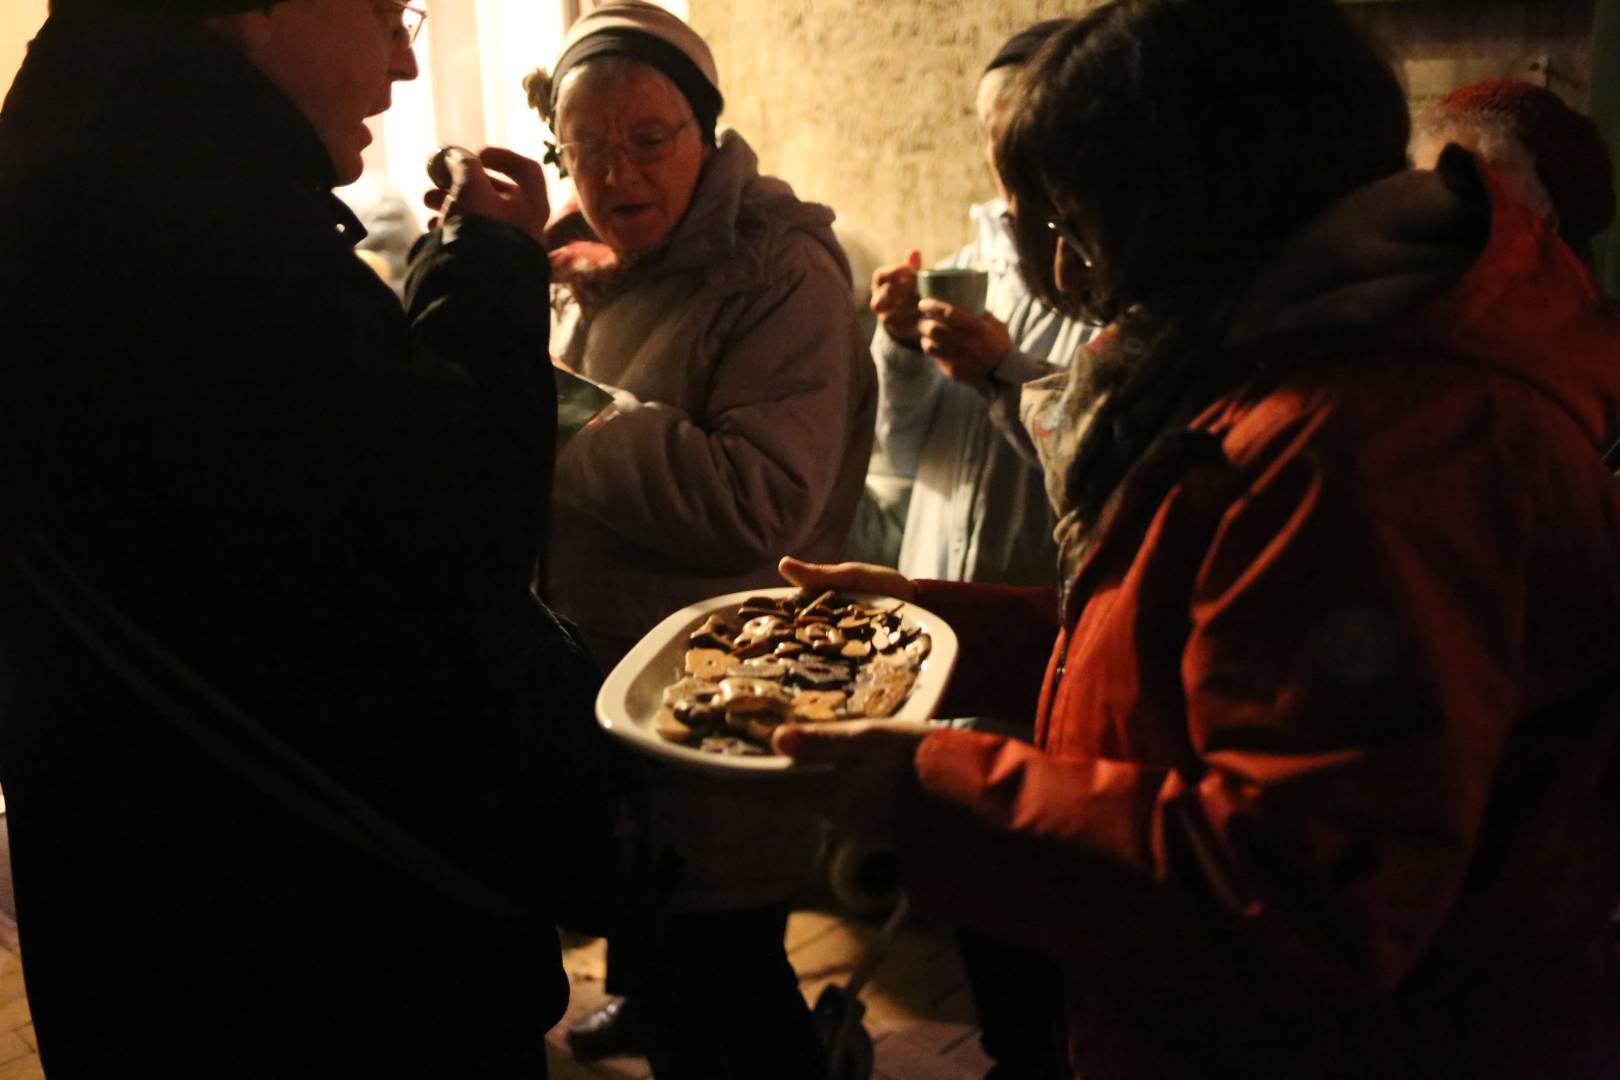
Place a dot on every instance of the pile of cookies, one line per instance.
(803, 658)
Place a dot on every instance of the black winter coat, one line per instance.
(328, 511)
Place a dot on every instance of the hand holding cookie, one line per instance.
(495, 183)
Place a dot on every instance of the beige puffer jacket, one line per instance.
(744, 415)
(741, 430)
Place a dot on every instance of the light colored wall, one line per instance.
(869, 107)
(19, 20)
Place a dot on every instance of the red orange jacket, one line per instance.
(1326, 781)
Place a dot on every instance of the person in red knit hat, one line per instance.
(1552, 157)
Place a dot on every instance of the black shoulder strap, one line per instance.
(215, 724)
(1611, 458)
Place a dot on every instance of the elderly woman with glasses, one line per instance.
(717, 309)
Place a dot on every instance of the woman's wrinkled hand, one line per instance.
(848, 577)
(965, 346)
(894, 298)
(498, 183)
(872, 768)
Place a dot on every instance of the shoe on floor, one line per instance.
(606, 1030)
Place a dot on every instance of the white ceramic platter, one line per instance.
(631, 696)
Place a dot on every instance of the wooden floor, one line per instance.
(19, 1060)
(917, 1007)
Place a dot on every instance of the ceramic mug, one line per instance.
(958, 287)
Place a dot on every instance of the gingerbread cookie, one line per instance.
(806, 658)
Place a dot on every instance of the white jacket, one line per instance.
(978, 509)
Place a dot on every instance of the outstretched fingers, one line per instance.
(851, 576)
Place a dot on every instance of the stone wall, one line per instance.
(869, 107)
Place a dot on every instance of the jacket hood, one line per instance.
(1445, 262)
(733, 202)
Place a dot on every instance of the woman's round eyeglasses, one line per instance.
(589, 157)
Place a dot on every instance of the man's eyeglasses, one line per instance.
(1068, 236)
(410, 20)
(588, 157)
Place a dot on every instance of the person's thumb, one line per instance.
(914, 259)
(821, 744)
(800, 573)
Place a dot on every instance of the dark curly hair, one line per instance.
(1198, 135)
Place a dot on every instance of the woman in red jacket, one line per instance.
(1325, 780)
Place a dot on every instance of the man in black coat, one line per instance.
(300, 775)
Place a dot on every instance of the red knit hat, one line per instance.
(1572, 160)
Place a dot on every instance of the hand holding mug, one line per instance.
(966, 347)
(894, 298)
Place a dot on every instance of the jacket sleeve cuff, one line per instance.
(889, 351)
(477, 253)
(1017, 368)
